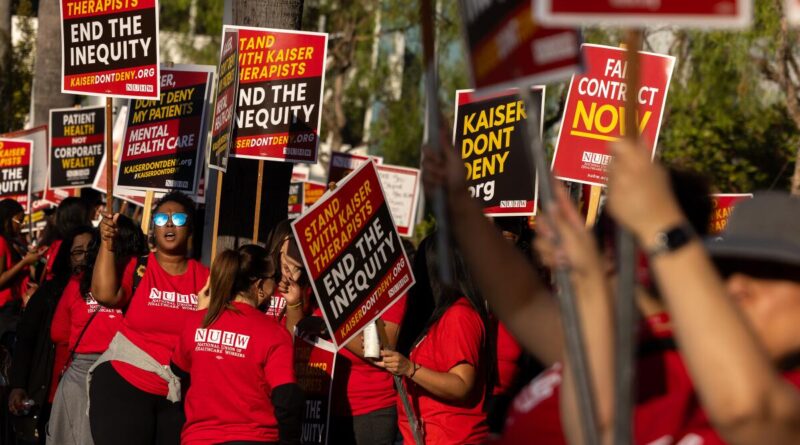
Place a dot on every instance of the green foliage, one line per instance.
(19, 76)
(176, 16)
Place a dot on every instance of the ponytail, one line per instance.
(234, 272)
(224, 272)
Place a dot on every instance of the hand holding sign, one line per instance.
(639, 193)
(108, 230)
(442, 168)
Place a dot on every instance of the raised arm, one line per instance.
(506, 279)
(106, 282)
(8, 275)
(744, 395)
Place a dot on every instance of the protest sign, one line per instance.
(225, 105)
(110, 48)
(640, 13)
(401, 186)
(353, 255)
(507, 48)
(312, 192)
(314, 363)
(300, 172)
(15, 170)
(116, 148)
(39, 171)
(164, 140)
(594, 114)
(490, 134)
(55, 196)
(295, 199)
(342, 164)
(77, 143)
(281, 77)
(724, 204)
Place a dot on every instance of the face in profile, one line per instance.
(170, 228)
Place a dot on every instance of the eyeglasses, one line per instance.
(18, 221)
(178, 219)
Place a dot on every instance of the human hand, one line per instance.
(16, 400)
(639, 193)
(443, 168)
(396, 363)
(108, 230)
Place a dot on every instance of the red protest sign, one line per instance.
(694, 13)
(595, 111)
(164, 140)
(39, 137)
(314, 366)
(724, 204)
(401, 187)
(15, 170)
(353, 254)
(77, 143)
(508, 48)
(342, 164)
(281, 77)
(490, 133)
(110, 48)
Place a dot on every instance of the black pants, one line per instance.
(121, 414)
(376, 428)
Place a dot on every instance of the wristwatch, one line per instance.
(671, 240)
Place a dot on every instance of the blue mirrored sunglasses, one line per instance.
(161, 219)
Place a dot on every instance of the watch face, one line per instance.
(678, 237)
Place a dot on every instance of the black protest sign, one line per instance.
(314, 366)
(164, 140)
(77, 144)
(490, 136)
(295, 199)
(110, 48)
(223, 124)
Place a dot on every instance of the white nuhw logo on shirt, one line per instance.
(218, 337)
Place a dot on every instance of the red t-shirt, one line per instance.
(663, 399)
(277, 306)
(368, 387)
(156, 314)
(701, 432)
(508, 352)
(51, 254)
(234, 366)
(72, 314)
(458, 337)
(16, 287)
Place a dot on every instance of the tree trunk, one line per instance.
(238, 199)
(47, 67)
(5, 64)
(796, 177)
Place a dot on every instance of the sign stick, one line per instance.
(625, 314)
(427, 13)
(573, 334)
(147, 211)
(259, 184)
(594, 205)
(109, 158)
(217, 199)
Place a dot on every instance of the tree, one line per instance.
(17, 73)
(47, 65)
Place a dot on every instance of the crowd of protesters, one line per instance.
(108, 330)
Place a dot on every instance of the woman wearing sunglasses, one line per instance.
(234, 352)
(134, 399)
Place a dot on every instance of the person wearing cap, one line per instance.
(740, 338)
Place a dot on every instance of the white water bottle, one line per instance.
(372, 344)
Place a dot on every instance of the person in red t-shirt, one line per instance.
(15, 257)
(364, 399)
(87, 329)
(446, 362)
(740, 338)
(134, 399)
(238, 362)
(70, 215)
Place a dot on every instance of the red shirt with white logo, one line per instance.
(156, 314)
(457, 338)
(72, 314)
(664, 396)
(368, 387)
(234, 365)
